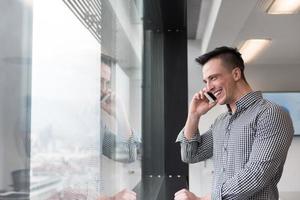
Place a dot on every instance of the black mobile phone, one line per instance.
(212, 96)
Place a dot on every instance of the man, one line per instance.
(119, 144)
(248, 144)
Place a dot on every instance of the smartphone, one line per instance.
(211, 96)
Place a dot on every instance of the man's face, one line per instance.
(219, 81)
(105, 79)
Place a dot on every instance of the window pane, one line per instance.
(86, 99)
(70, 98)
(65, 142)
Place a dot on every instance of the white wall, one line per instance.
(261, 79)
(270, 77)
(291, 176)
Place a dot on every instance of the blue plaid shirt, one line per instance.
(248, 147)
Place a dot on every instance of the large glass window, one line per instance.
(71, 75)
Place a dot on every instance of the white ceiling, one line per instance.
(229, 22)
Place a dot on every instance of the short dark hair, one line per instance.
(231, 57)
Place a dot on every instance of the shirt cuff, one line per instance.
(181, 138)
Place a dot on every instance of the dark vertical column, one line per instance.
(153, 105)
(175, 98)
(175, 68)
(164, 98)
(153, 159)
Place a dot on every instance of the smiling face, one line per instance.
(221, 81)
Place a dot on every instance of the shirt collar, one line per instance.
(246, 100)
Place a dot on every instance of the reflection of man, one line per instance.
(119, 143)
(248, 143)
(106, 92)
(117, 138)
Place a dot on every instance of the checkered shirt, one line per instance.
(248, 147)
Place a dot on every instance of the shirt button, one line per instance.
(225, 149)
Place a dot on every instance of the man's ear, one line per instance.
(236, 74)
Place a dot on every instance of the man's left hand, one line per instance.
(184, 194)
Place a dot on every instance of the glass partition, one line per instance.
(71, 75)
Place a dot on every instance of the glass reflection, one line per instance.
(71, 124)
(15, 69)
(121, 61)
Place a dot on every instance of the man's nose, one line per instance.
(209, 86)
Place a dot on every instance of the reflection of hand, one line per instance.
(108, 102)
(114, 107)
(125, 195)
(184, 194)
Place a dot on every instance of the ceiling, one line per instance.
(230, 22)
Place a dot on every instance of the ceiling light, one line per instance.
(284, 7)
(251, 48)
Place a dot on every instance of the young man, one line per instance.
(248, 144)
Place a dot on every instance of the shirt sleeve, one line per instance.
(273, 138)
(198, 148)
(119, 148)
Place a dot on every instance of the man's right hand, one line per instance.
(185, 194)
(198, 107)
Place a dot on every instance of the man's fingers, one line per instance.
(131, 192)
(125, 194)
(199, 95)
(181, 194)
(181, 191)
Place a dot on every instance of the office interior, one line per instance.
(94, 92)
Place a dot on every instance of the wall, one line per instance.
(291, 176)
(201, 173)
(15, 53)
